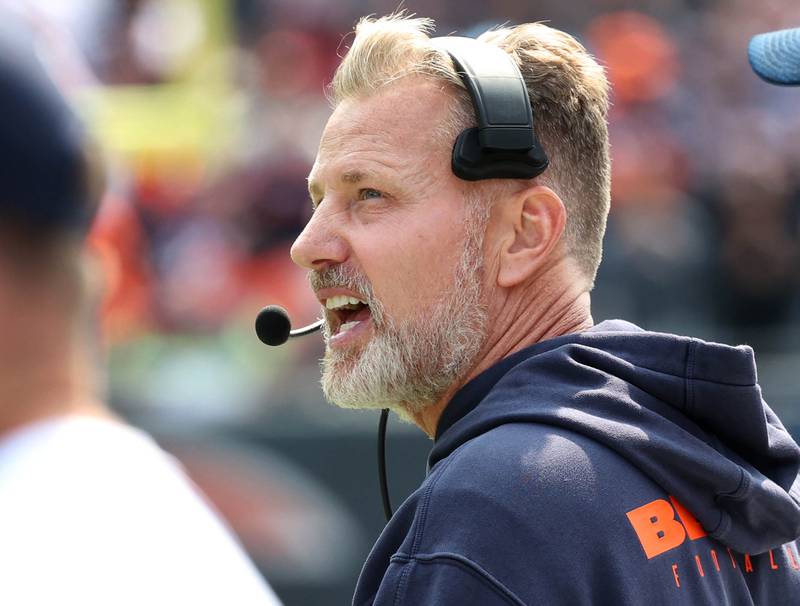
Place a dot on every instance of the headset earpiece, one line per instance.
(474, 162)
(504, 144)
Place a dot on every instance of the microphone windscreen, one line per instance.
(273, 325)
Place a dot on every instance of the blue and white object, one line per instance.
(775, 56)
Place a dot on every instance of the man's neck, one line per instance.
(543, 310)
(45, 380)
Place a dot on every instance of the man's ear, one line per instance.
(537, 218)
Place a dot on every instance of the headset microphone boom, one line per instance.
(274, 327)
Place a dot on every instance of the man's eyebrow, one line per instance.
(349, 176)
(353, 176)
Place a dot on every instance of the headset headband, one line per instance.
(504, 144)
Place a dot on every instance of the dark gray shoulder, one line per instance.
(527, 477)
(541, 509)
(543, 463)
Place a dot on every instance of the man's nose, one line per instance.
(320, 244)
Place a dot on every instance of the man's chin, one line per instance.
(346, 383)
(404, 412)
(340, 381)
(342, 387)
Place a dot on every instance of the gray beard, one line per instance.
(408, 366)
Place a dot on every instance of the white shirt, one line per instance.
(93, 513)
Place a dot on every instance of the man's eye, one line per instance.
(369, 194)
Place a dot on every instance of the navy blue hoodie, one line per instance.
(614, 466)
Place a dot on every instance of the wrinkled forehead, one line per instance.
(401, 122)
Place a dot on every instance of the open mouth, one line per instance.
(345, 313)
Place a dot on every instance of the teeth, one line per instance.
(347, 326)
(340, 301)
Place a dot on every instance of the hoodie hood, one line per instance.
(687, 413)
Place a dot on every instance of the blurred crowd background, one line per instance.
(210, 111)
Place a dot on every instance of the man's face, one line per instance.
(395, 255)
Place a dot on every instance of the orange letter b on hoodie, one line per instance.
(656, 527)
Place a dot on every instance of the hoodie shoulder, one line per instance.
(537, 473)
(541, 509)
(555, 517)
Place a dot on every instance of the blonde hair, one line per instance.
(569, 97)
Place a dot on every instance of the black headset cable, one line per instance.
(387, 505)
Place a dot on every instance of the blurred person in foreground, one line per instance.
(572, 463)
(92, 512)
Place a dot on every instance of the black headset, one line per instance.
(504, 144)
